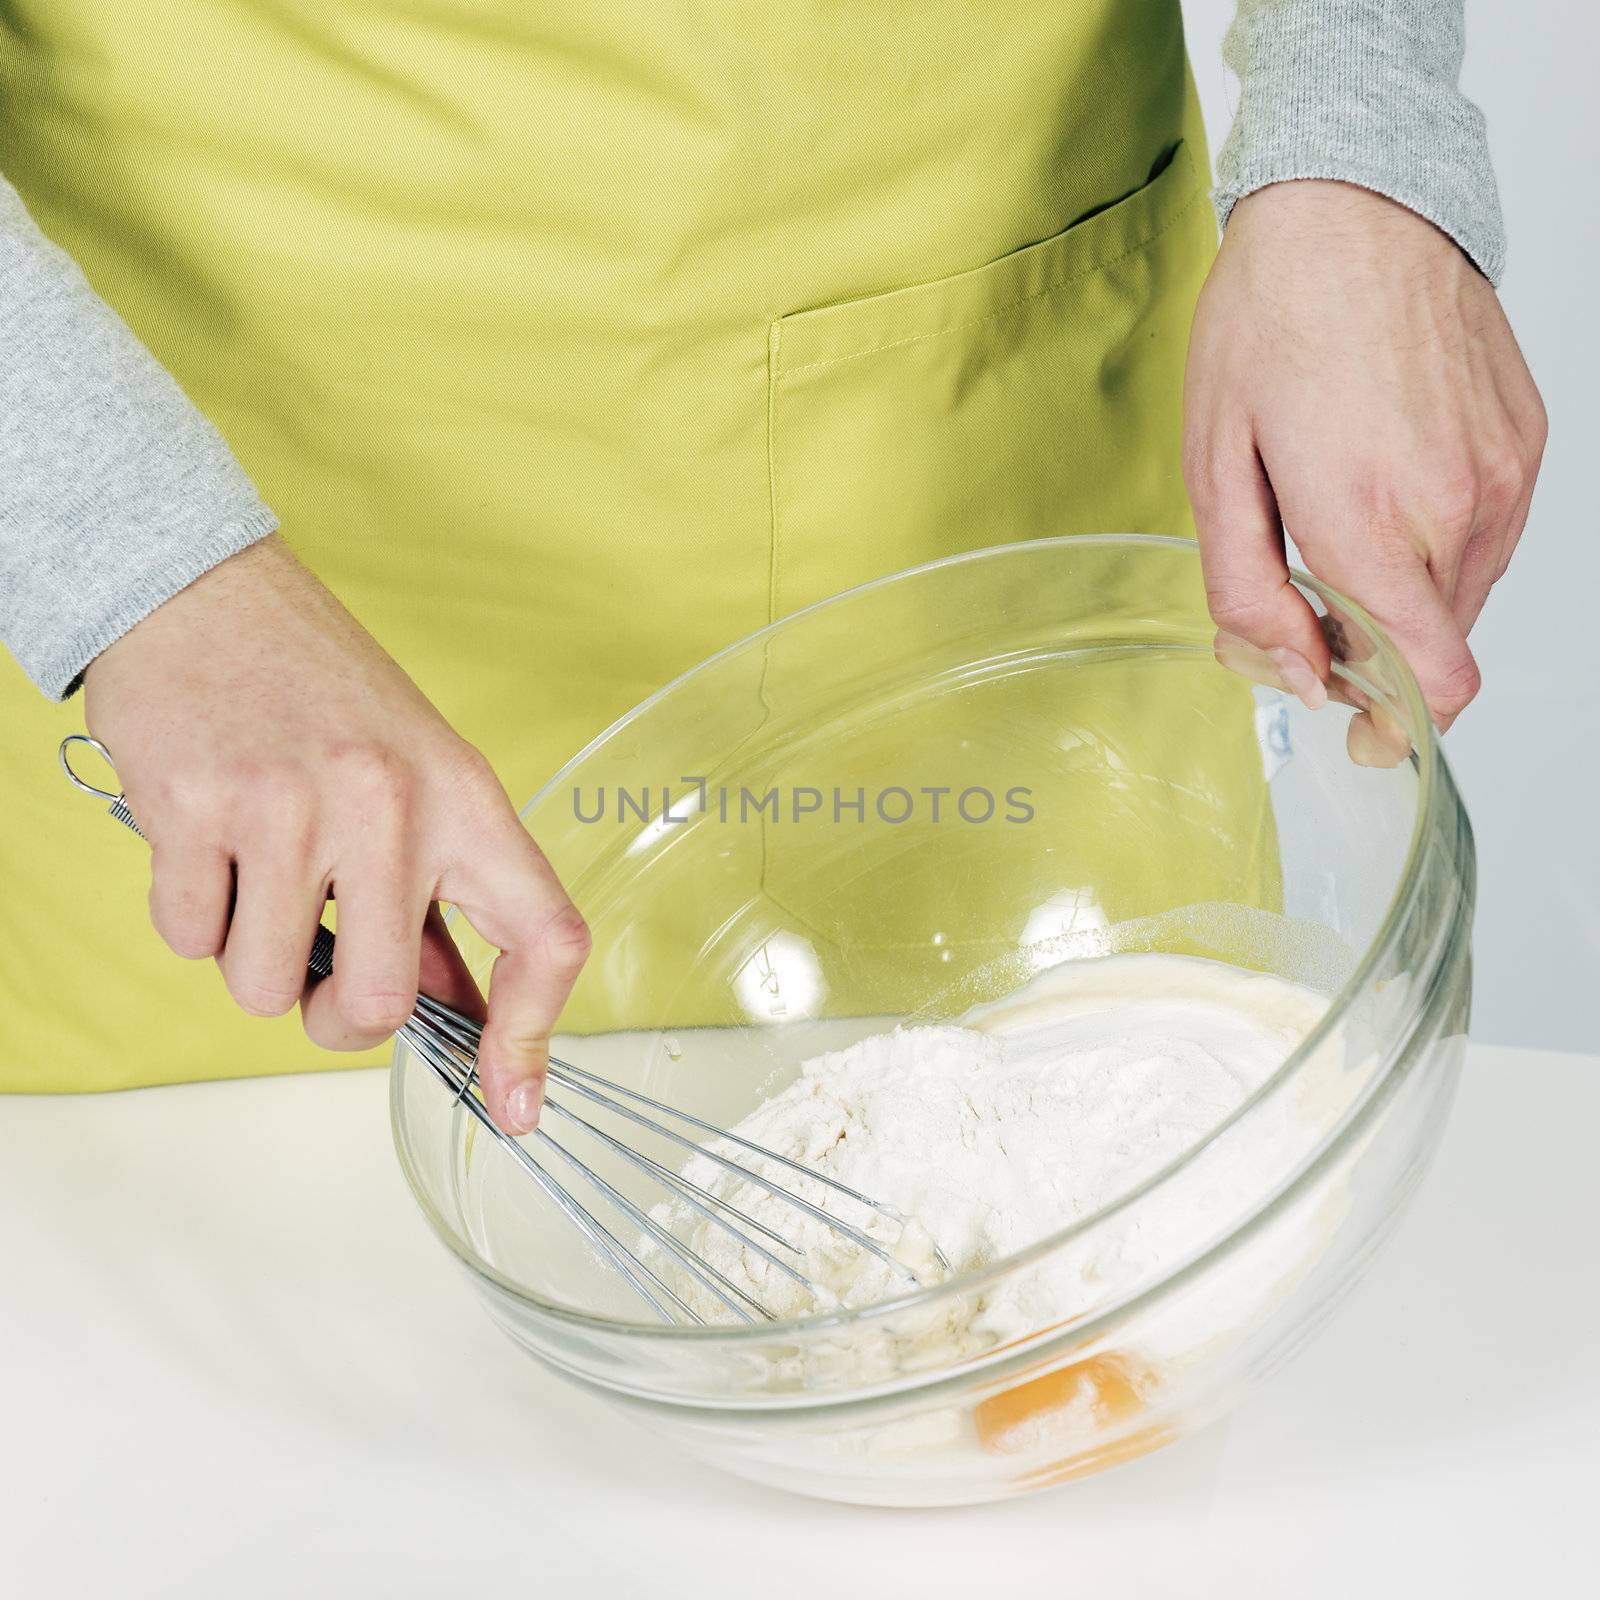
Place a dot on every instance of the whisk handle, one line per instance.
(320, 964)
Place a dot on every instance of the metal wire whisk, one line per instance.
(447, 1043)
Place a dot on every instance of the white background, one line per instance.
(1527, 754)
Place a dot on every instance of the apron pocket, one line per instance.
(1039, 394)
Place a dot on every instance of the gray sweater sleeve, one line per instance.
(1365, 91)
(114, 491)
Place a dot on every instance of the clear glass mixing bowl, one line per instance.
(957, 777)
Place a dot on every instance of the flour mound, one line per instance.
(1039, 1111)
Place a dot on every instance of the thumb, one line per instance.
(1269, 631)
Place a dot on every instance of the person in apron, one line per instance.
(569, 343)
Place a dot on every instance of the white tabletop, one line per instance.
(233, 1362)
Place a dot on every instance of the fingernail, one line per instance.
(1239, 655)
(522, 1106)
(1299, 677)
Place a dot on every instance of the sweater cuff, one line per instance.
(1365, 92)
(60, 671)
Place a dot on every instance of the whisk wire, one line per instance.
(700, 1200)
(714, 1281)
(581, 1081)
(743, 1173)
(634, 1271)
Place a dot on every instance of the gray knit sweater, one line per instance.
(115, 492)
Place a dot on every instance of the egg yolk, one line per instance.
(1075, 1403)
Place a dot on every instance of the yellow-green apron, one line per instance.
(572, 339)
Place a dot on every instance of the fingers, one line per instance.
(1406, 601)
(1270, 631)
(1480, 567)
(442, 974)
(191, 892)
(276, 905)
(1248, 589)
(1278, 668)
(1486, 558)
(1376, 739)
(373, 989)
(511, 895)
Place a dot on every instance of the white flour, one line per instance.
(1040, 1110)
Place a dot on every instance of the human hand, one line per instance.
(273, 753)
(1353, 378)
